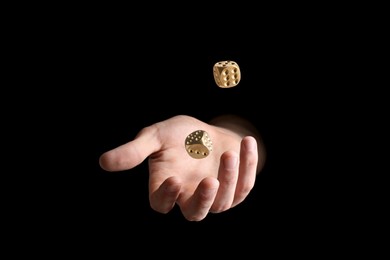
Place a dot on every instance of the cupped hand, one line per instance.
(214, 184)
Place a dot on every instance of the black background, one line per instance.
(103, 77)
(121, 80)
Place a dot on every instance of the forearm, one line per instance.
(242, 127)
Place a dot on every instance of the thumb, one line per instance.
(133, 153)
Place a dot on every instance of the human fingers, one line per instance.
(131, 154)
(163, 199)
(227, 177)
(247, 169)
(198, 205)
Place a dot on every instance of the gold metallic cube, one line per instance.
(227, 74)
(198, 144)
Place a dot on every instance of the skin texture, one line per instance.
(213, 184)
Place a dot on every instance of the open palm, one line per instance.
(215, 183)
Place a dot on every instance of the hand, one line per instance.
(214, 184)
